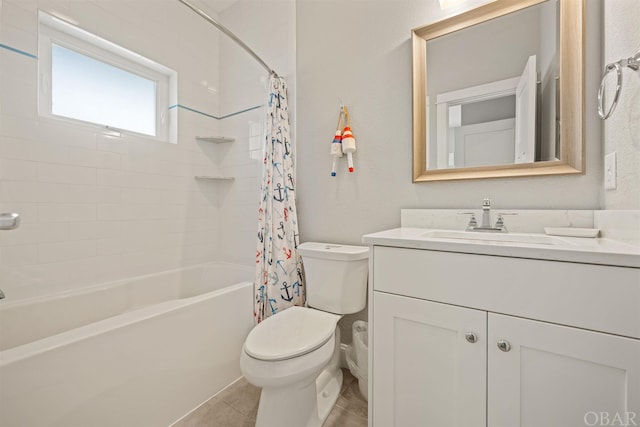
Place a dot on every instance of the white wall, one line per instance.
(360, 52)
(268, 28)
(96, 208)
(622, 129)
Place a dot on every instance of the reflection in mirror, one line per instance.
(497, 107)
(487, 98)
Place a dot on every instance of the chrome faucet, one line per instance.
(485, 224)
(486, 213)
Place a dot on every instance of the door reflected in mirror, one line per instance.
(487, 98)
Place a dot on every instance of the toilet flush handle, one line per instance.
(9, 221)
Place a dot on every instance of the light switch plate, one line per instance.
(610, 174)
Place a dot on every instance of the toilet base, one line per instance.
(305, 404)
(328, 394)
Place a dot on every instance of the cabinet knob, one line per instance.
(504, 345)
(471, 337)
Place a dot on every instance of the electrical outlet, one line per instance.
(610, 171)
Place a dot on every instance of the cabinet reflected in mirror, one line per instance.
(487, 93)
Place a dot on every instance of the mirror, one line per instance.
(498, 92)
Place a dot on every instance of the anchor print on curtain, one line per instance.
(279, 281)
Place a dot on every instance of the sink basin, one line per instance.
(539, 239)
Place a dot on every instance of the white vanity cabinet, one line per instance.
(425, 371)
(462, 339)
(555, 375)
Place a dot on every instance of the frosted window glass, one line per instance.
(86, 89)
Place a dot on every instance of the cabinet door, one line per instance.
(425, 371)
(560, 376)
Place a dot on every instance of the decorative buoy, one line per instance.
(336, 144)
(336, 150)
(348, 146)
(348, 140)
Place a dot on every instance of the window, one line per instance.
(86, 79)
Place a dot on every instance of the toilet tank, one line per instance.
(335, 276)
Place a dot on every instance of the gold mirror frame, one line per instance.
(571, 72)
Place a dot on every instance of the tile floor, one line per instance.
(238, 404)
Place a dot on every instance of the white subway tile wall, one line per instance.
(268, 27)
(97, 208)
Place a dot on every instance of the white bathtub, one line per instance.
(139, 352)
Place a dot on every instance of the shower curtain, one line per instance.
(279, 281)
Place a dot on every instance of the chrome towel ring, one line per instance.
(633, 63)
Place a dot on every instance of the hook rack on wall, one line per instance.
(634, 63)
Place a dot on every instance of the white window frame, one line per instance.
(52, 30)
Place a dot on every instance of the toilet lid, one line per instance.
(290, 333)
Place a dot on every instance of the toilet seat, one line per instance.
(291, 333)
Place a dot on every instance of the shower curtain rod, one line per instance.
(229, 34)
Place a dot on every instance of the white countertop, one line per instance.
(569, 249)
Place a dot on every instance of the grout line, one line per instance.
(236, 412)
(211, 115)
(193, 110)
(242, 111)
(21, 52)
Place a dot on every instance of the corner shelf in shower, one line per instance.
(215, 139)
(215, 178)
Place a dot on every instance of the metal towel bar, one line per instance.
(633, 63)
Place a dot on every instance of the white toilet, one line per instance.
(295, 355)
